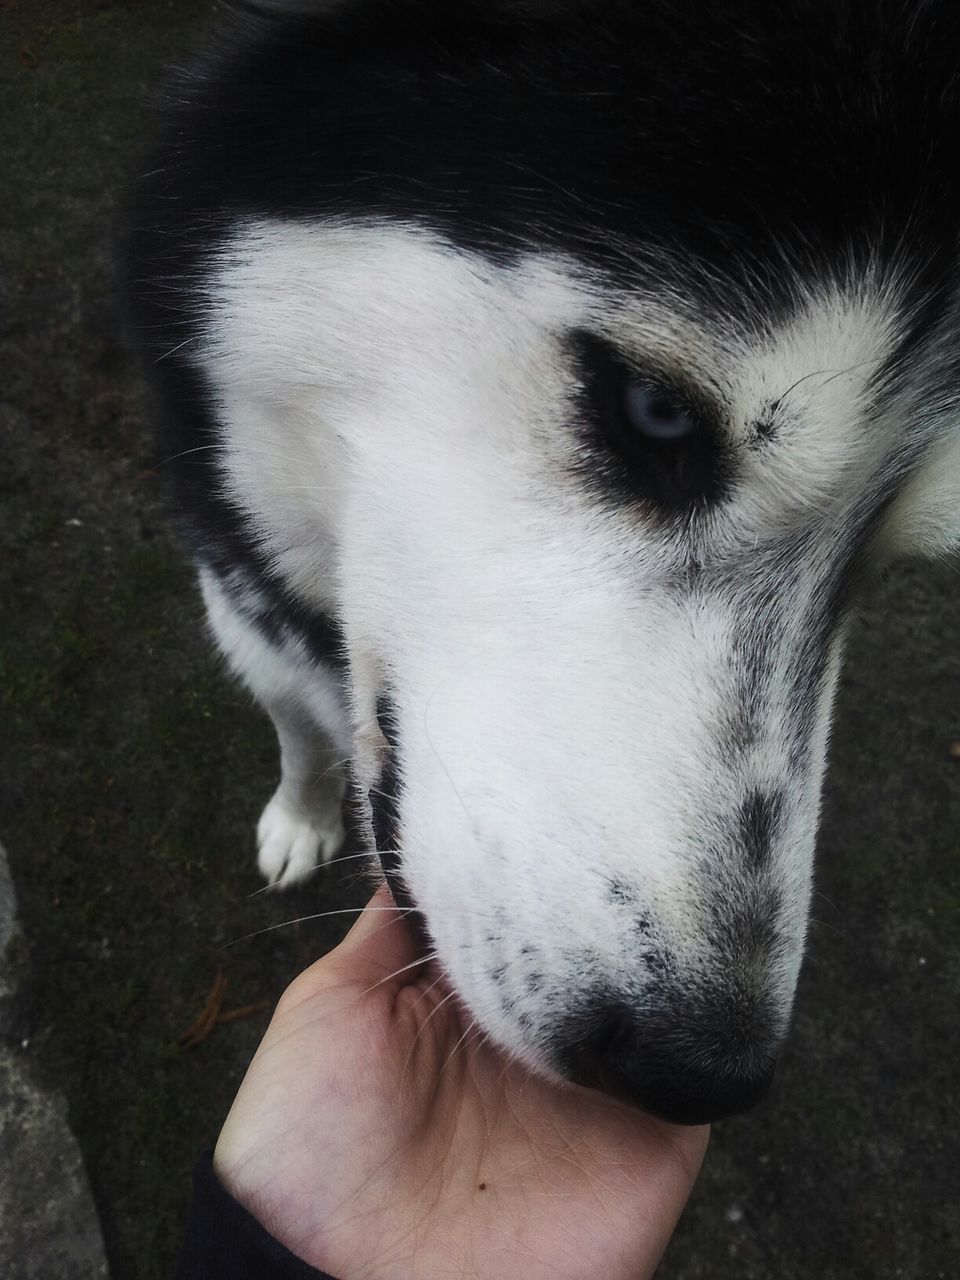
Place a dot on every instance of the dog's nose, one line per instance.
(664, 1065)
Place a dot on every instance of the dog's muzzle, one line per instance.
(680, 1065)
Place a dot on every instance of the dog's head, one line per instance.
(632, 341)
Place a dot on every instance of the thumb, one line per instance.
(381, 942)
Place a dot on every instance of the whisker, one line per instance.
(420, 1030)
(836, 373)
(317, 866)
(440, 761)
(376, 791)
(841, 933)
(818, 893)
(414, 964)
(472, 1026)
(320, 915)
(184, 453)
(248, 451)
(438, 978)
(185, 342)
(325, 773)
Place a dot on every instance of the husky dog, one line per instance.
(545, 381)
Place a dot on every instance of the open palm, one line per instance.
(377, 1140)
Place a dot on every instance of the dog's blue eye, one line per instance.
(644, 438)
(655, 415)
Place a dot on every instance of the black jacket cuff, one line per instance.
(223, 1241)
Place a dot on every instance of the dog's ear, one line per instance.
(925, 519)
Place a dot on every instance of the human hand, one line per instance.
(379, 1139)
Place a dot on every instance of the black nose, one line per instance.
(689, 1070)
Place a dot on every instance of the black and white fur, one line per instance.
(400, 264)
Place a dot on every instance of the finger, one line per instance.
(380, 943)
(669, 1190)
(690, 1143)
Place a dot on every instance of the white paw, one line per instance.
(291, 845)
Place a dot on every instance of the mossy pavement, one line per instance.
(134, 771)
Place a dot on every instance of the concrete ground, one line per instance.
(134, 772)
(49, 1228)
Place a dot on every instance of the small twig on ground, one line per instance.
(245, 1011)
(198, 1030)
(212, 1014)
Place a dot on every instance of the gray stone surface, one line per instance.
(48, 1224)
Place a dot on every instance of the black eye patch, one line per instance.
(646, 440)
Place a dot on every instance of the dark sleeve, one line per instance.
(225, 1242)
